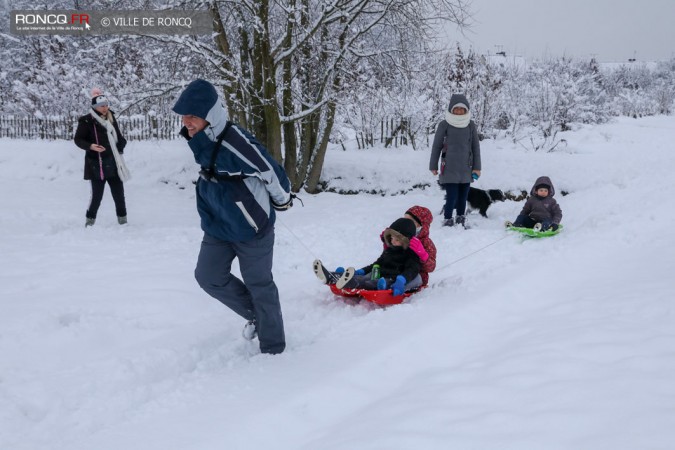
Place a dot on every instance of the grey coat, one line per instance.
(542, 209)
(457, 148)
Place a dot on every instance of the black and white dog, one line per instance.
(481, 200)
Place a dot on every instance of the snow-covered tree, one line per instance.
(285, 64)
(663, 90)
(472, 75)
(629, 87)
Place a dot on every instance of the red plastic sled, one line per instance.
(383, 297)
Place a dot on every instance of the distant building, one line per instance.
(500, 59)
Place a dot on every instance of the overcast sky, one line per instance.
(610, 30)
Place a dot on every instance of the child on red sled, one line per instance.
(422, 243)
(399, 265)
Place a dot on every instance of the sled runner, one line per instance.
(383, 297)
(531, 232)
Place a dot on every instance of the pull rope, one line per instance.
(469, 254)
(436, 270)
(295, 197)
(297, 238)
(436, 283)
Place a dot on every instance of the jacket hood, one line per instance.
(403, 229)
(457, 99)
(547, 182)
(200, 99)
(423, 216)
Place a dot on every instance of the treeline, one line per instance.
(530, 102)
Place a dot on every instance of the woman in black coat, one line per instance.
(96, 133)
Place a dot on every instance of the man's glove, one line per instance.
(475, 176)
(399, 285)
(284, 206)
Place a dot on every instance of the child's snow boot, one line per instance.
(90, 222)
(345, 278)
(322, 273)
(537, 227)
(449, 222)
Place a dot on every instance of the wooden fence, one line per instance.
(134, 128)
(391, 132)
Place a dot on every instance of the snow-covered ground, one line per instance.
(107, 342)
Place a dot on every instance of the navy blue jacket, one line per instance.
(238, 209)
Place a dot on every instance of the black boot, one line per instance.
(461, 220)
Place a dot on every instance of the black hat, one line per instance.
(404, 226)
(403, 229)
(540, 186)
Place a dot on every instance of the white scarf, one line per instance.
(122, 170)
(458, 121)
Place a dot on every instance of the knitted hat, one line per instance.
(402, 229)
(404, 226)
(98, 99)
(197, 99)
(458, 100)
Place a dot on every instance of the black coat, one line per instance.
(396, 261)
(85, 136)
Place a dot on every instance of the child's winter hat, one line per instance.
(98, 99)
(403, 229)
(543, 182)
(458, 100)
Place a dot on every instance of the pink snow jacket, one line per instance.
(427, 252)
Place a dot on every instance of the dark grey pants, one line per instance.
(254, 298)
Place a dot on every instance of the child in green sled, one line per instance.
(399, 265)
(541, 211)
